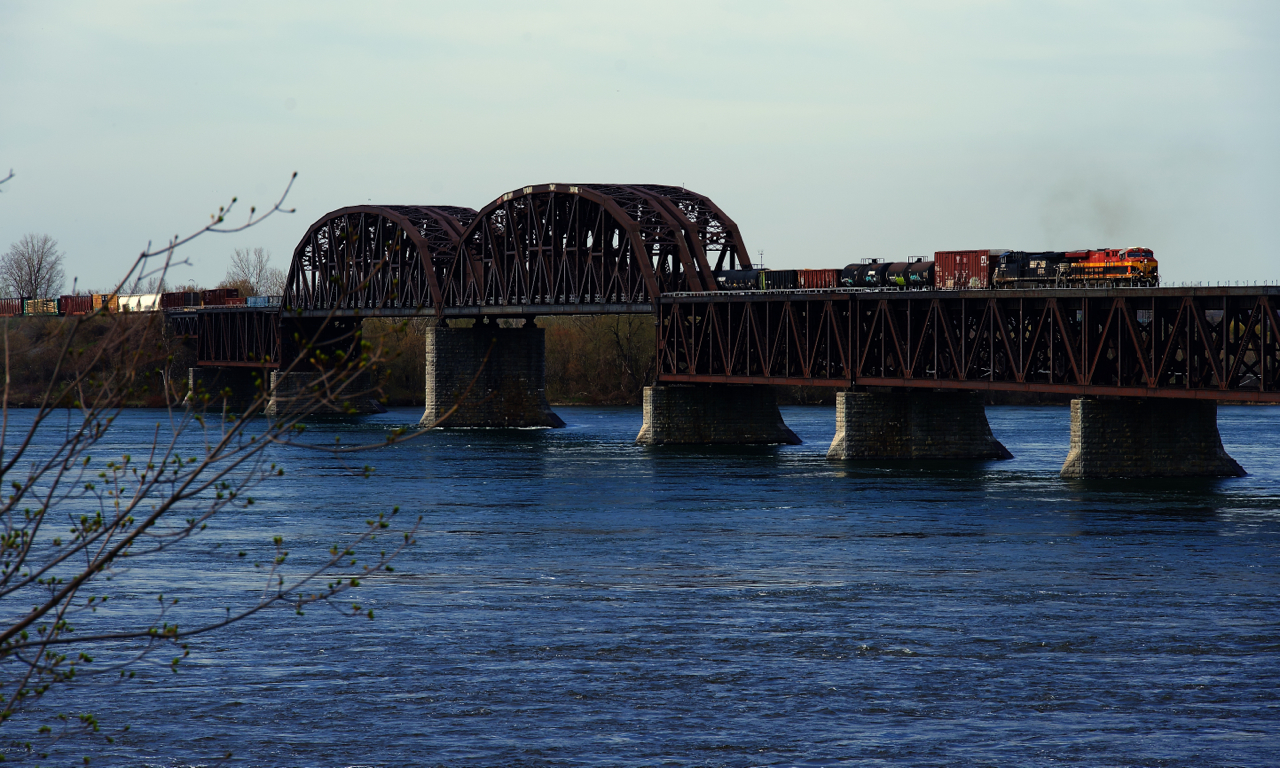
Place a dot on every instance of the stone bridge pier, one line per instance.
(488, 376)
(234, 388)
(713, 414)
(300, 340)
(913, 424)
(1151, 437)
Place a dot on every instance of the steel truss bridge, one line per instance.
(574, 249)
(1212, 343)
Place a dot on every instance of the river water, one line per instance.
(574, 599)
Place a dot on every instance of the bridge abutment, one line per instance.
(913, 425)
(317, 383)
(1146, 438)
(295, 391)
(713, 415)
(235, 387)
(510, 373)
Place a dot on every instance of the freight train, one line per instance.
(85, 304)
(1108, 267)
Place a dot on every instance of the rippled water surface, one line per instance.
(575, 599)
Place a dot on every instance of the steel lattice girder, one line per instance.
(183, 325)
(559, 245)
(234, 336)
(390, 259)
(1200, 343)
(565, 244)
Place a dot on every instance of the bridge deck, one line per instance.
(1198, 342)
(483, 310)
(1201, 342)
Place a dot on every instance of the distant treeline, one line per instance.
(592, 360)
(603, 360)
(131, 352)
(598, 360)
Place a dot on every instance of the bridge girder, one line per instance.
(569, 244)
(388, 259)
(1220, 344)
(549, 245)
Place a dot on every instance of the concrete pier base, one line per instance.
(511, 390)
(297, 390)
(713, 415)
(232, 387)
(913, 425)
(1146, 438)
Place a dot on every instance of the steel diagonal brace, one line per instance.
(1206, 338)
(920, 344)
(871, 332)
(1132, 324)
(801, 347)
(1102, 339)
(983, 326)
(899, 352)
(944, 320)
(1242, 347)
(1004, 338)
(1035, 340)
(1174, 336)
(692, 244)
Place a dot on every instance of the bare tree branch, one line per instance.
(32, 268)
(71, 521)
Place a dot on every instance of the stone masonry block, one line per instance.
(913, 425)
(1146, 438)
(233, 387)
(713, 414)
(305, 389)
(508, 366)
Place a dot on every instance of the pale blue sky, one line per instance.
(829, 131)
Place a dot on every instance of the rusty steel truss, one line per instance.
(388, 259)
(1213, 343)
(233, 336)
(546, 249)
(614, 248)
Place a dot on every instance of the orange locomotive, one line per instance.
(1121, 266)
(1064, 269)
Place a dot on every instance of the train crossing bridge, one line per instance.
(911, 364)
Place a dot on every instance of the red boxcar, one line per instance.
(75, 305)
(818, 278)
(965, 269)
(10, 307)
(218, 296)
(179, 299)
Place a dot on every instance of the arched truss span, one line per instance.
(391, 258)
(567, 244)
